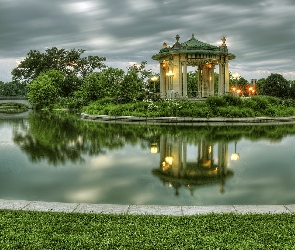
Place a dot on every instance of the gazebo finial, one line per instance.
(193, 35)
(177, 37)
(223, 40)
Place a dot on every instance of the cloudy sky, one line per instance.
(261, 33)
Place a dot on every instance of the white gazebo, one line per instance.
(174, 61)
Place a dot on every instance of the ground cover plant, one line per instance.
(214, 106)
(45, 230)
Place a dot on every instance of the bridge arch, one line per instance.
(22, 100)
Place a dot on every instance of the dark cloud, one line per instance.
(260, 33)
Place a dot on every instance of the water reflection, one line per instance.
(58, 157)
(176, 171)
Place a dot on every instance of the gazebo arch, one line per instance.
(174, 61)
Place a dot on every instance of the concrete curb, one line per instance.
(190, 120)
(22, 205)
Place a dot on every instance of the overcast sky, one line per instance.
(261, 33)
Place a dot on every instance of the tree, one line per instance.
(142, 73)
(276, 85)
(192, 83)
(260, 86)
(101, 84)
(14, 88)
(70, 63)
(292, 89)
(45, 90)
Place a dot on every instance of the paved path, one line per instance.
(141, 209)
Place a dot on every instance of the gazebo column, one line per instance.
(200, 81)
(184, 84)
(223, 83)
(177, 76)
(211, 81)
(221, 79)
(226, 77)
(162, 80)
(205, 81)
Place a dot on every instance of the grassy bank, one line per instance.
(39, 230)
(215, 106)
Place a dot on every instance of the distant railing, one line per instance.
(13, 98)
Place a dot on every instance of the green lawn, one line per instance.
(40, 230)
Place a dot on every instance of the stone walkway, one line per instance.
(141, 209)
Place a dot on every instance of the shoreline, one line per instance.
(190, 121)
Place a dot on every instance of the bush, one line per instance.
(232, 100)
(216, 101)
(259, 103)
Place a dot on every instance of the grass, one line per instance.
(40, 230)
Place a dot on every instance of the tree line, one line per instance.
(59, 77)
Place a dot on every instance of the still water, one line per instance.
(51, 157)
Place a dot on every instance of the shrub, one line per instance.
(259, 102)
(271, 111)
(216, 101)
(288, 103)
(232, 100)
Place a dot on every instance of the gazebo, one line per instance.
(174, 61)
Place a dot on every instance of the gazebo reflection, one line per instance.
(208, 168)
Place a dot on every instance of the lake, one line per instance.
(59, 157)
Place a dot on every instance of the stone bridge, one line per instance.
(23, 100)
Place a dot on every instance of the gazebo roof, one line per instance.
(192, 46)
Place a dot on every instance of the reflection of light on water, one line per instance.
(84, 195)
(5, 136)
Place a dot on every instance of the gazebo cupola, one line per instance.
(175, 59)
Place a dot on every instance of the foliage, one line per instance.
(14, 88)
(292, 90)
(70, 63)
(45, 90)
(192, 83)
(101, 84)
(259, 86)
(213, 106)
(132, 87)
(114, 83)
(276, 85)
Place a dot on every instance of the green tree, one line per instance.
(101, 84)
(192, 83)
(132, 88)
(45, 90)
(142, 73)
(70, 63)
(14, 88)
(260, 86)
(292, 89)
(242, 85)
(276, 85)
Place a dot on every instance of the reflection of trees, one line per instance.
(63, 137)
